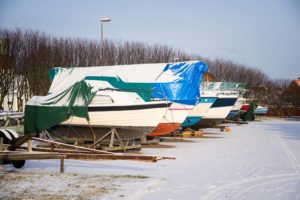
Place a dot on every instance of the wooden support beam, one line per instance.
(112, 138)
(25, 155)
(70, 146)
(29, 145)
(59, 150)
(62, 163)
(100, 139)
(21, 140)
(81, 156)
(120, 141)
(123, 148)
(93, 133)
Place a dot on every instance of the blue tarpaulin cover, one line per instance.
(185, 89)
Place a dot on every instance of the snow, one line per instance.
(259, 160)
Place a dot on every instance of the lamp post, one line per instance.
(103, 20)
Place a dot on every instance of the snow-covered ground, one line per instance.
(259, 160)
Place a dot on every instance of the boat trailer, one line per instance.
(12, 152)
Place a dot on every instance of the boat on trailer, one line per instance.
(174, 117)
(217, 112)
(227, 94)
(178, 83)
(261, 110)
(126, 112)
(199, 111)
(244, 107)
(235, 111)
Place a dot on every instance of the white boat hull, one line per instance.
(131, 121)
(217, 112)
(175, 115)
(200, 109)
(238, 104)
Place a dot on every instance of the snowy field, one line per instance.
(259, 160)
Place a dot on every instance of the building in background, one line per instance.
(293, 93)
(18, 95)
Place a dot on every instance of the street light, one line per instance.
(103, 20)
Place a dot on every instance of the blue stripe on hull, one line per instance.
(223, 102)
(189, 121)
(207, 99)
(232, 114)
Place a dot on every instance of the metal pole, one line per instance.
(103, 20)
(101, 44)
(101, 32)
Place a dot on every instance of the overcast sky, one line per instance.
(260, 33)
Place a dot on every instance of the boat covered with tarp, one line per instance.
(79, 96)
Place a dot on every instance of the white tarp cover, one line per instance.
(136, 73)
(177, 82)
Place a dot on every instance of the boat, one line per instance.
(125, 111)
(174, 117)
(244, 107)
(235, 111)
(182, 91)
(226, 94)
(217, 112)
(199, 111)
(165, 82)
(261, 110)
(229, 88)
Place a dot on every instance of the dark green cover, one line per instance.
(71, 102)
(249, 114)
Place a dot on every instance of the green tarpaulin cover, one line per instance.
(42, 113)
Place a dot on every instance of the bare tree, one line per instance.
(30, 54)
(7, 60)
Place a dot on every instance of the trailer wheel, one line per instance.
(18, 163)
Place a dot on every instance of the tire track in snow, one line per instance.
(215, 194)
(275, 141)
(223, 190)
(243, 194)
(291, 156)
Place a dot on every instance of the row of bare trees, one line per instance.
(261, 88)
(26, 57)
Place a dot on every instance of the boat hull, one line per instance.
(164, 129)
(244, 108)
(207, 123)
(175, 115)
(84, 133)
(199, 111)
(130, 122)
(233, 115)
(217, 113)
(261, 110)
(238, 104)
(234, 112)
